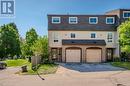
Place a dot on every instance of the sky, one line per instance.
(33, 13)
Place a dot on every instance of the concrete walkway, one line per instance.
(66, 77)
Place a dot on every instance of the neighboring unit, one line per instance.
(85, 38)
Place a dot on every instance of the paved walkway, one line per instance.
(66, 77)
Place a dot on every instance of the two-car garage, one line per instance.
(75, 55)
(84, 50)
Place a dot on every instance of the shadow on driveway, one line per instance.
(97, 67)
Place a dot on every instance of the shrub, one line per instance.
(116, 59)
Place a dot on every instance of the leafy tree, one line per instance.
(2, 52)
(10, 44)
(124, 36)
(16, 48)
(31, 37)
(40, 48)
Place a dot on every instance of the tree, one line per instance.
(2, 53)
(124, 36)
(31, 37)
(16, 48)
(10, 44)
(40, 48)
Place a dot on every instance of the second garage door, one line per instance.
(73, 55)
(93, 55)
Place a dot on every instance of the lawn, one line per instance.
(42, 69)
(121, 64)
(17, 62)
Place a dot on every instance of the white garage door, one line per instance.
(93, 55)
(73, 55)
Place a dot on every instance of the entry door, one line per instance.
(93, 55)
(109, 54)
(73, 55)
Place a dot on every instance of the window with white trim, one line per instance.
(110, 20)
(56, 20)
(109, 37)
(126, 14)
(73, 20)
(93, 20)
(93, 35)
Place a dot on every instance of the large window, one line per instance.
(110, 20)
(93, 35)
(73, 20)
(93, 20)
(126, 14)
(109, 37)
(72, 35)
(56, 20)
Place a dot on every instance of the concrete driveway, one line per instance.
(69, 75)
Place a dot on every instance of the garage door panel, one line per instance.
(93, 55)
(73, 55)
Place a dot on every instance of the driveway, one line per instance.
(70, 75)
(90, 67)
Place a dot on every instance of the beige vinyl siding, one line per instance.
(82, 35)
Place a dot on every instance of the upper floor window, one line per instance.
(126, 14)
(56, 20)
(73, 20)
(93, 35)
(72, 35)
(93, 20)
(109, 37)
(55, 36)
(110, 20)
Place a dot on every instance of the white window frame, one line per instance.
(125, 12)
(91, 22)
(112, 37)
(56, 22)
(93, 33)
(112, 18)
(73, 22)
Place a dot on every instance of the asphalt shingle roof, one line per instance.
(83, 42)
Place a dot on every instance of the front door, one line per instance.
(109, 54)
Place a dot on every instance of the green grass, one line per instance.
(121, 64)
(15, 63)
(42, 69)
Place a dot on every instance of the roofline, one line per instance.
(118, 9)
(78, 15)
(78, 30)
